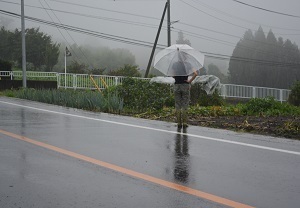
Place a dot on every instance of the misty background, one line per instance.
(213, 27)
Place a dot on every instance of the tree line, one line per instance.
(260, 60)
(43, 54)
(41, 51)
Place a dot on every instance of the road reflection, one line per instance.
(181, 166)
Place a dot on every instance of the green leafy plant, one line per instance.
(140, 95)
(294, 97)
(81, 99)
(268, 106)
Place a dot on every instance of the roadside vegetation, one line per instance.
(142, 99)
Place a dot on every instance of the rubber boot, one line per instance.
(184, 118)
(178, 118)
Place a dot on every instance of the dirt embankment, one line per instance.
(281, 126)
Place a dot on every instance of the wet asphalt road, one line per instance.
(249, 169)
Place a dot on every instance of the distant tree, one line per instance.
(102, 58)
(77, 68)
(237, 67)
(294, 97)
(4, 66)
(181, 39)
(51, 56)
(260, 60)
(214, 70)
(126, 71)
(41, 52)
(97, 71)
(6, 44)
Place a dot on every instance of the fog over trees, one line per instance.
(43, 54)
(265, 61)
(258, 59)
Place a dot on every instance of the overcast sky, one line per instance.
(213, 26)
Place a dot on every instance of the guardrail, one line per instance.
(242, 91)
(83, 81)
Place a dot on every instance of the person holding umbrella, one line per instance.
(180, 61)
(182, 90)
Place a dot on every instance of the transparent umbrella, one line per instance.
(178, 60)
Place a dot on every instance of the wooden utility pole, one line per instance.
(155, 43)
(169, 23)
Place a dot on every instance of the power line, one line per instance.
(249, 60)
(267, 10)
(154, 26)
(98, 8)
(213, 16)
(91, 16)
(225, 22)
(68, 34)
(148, 44)
(124, 21)
(85, 31)
(242, 19)
(57, 27)
(233, 45)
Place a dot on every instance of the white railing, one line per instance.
(242, 91)
(84, 81)
(6, 74)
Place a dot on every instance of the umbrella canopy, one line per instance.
(178, 60)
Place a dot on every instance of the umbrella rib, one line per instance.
(171, 62)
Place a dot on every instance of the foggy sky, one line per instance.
(221, 23)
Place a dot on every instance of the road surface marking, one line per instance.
(132, 173)
(160, 130)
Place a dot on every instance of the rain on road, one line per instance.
(53, 156)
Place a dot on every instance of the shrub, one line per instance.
(5, 65)
(294, 97)
(268, 106)
(140, 95)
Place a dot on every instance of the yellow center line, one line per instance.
(132, 173)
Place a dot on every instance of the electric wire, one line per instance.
(226, 22)
(131, 22)
(154, 26)
(90, 32)
(231, 44)
(98, 8)
(222, 20)
(73, 51)
(59, 31)
(242, 19)
(267, 10)
(148, 44)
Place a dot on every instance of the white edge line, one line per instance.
(160, 130)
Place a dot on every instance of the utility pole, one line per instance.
(23, 44)
(155, 42)
(169, 24)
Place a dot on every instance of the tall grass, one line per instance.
(87, 100)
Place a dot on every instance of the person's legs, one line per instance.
(178, 104)
(185, 104)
